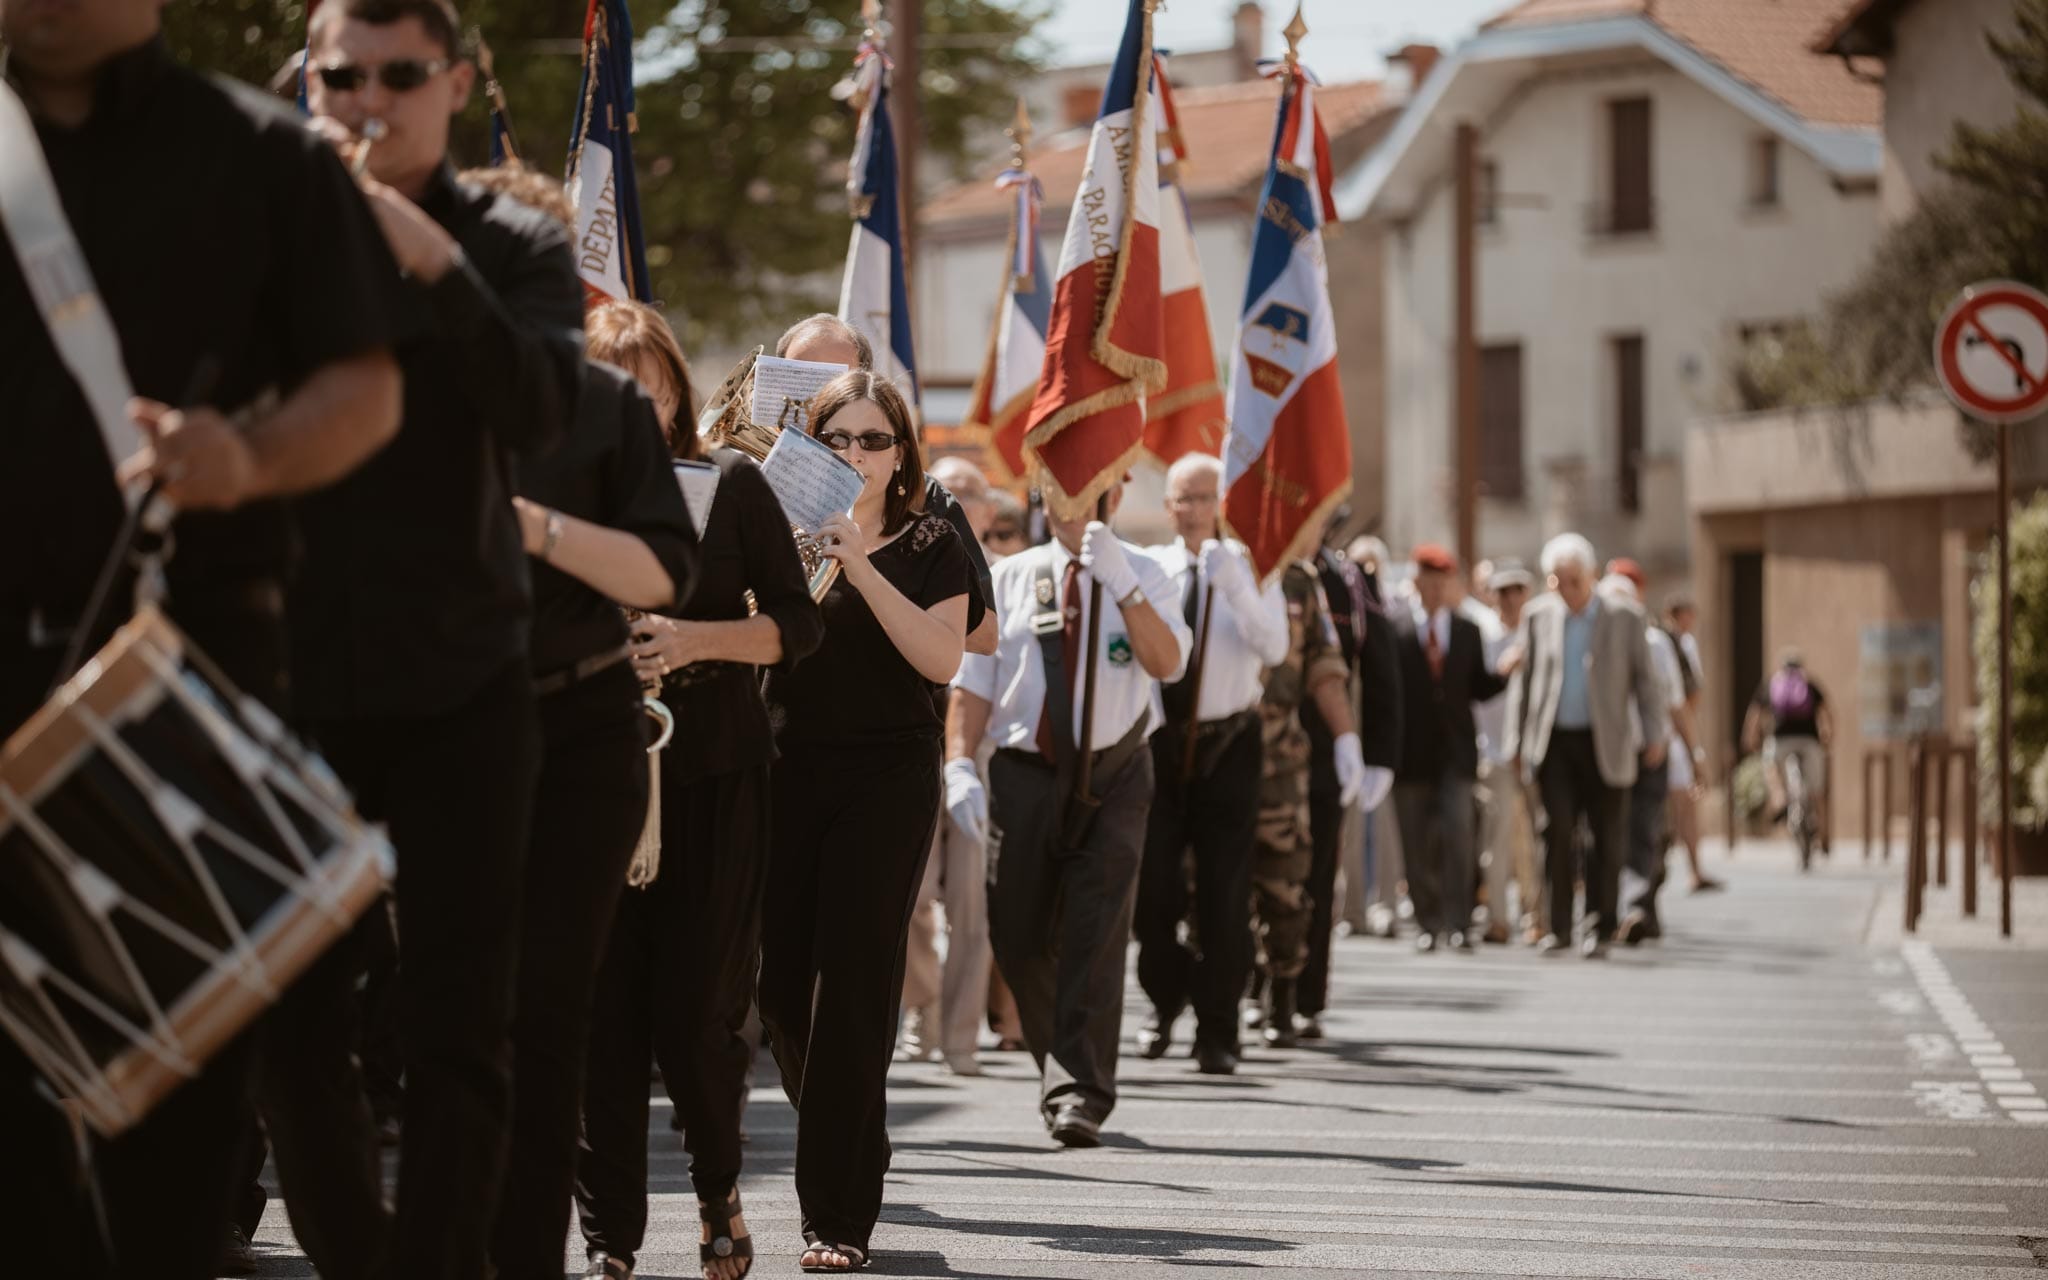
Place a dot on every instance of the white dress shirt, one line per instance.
(1012, 679)
(1242, 643)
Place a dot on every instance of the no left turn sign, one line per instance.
(1991, 351)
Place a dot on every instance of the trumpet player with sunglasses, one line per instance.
(411, 662)
(856, 799)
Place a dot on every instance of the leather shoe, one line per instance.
(1073, 1127)
(604, 1266)
(1593, 947)
(237, 1255)
(1310, 1026)
(1214, 1060)
(1425, 943)
(1550, 945)
(1155, 1035)
(1463, 942)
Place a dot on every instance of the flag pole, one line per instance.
(1084, 780)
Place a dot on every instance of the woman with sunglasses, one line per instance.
(678, 968)
(856, 796)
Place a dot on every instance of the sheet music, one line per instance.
(777, 382)
(812, 482)
(699, 483)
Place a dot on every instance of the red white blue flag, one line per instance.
(873, 297)
(1187, 416)
(1287, 460)
(1008, 383)
(611, 254)
(1105, 340)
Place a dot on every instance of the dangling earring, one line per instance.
(899, 479)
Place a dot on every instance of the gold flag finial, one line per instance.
(1294, 31)
(1019, 134)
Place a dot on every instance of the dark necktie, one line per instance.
(1178, 698)
(1070, 654)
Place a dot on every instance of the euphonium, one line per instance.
(726, 420)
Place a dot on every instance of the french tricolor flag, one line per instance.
(611, 254)
(1008, 382)
(1105, 341)
(872, 294)
(1187, 416)
(1287, 461)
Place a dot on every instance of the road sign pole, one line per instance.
(2004, 680)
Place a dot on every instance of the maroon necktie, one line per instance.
(1432, 650)
(1070, 653)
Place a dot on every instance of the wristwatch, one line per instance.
(1137, 596)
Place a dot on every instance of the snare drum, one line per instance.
(170, 860)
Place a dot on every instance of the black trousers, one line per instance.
(1647, 825)
(456, 792)
(1326, 839)
(1215, 817)
(674, 987)
(156, 1201)
(588, 810)
(1572, 788)
(846, 860)
(1060, 920)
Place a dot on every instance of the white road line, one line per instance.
(917, 1138)
(1993, 1065)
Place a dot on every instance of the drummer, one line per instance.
(195, 287)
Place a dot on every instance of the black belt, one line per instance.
(576, 673)
(1024, 755)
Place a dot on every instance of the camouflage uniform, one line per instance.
(1282, 852)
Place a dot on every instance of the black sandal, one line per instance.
(723, 1245)
(859, 1256)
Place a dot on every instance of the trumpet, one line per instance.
(727, 421)
(373, 133)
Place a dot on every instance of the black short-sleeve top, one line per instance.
(858, 689)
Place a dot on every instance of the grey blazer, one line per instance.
(1620, 670)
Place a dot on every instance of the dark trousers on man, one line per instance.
(1326, 843)
(588, 811)
(846, 859)
(1061, 918)
(1439, 841)
(1647, 823)
(1572, 788)
(1213, 817)
(455, 791)
(676, 982)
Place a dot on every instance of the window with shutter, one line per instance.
(1500, 421)
(1628, 422)
(1629, 191)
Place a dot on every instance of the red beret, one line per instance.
(1434, 556)
(1627, 568)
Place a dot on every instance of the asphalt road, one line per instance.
(1763, 1094)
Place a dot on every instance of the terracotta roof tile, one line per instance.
(1228, 130)
(1766, 43)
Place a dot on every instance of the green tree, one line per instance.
(2029, 671)
(741, 148)
(1990, 219)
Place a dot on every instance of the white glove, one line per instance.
(967, 799)
(1222, 570)
(1350, 769)
(1102, 555)
(1379, 783)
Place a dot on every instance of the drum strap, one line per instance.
(61, 282)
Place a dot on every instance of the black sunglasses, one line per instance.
(400, 76)
(869, 441)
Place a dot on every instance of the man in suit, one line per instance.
(1585, 661)
(1443, 673)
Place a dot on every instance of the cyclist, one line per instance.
(1801, 725)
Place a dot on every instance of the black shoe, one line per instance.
(1280, 1032)
(1309, 1026)
(1630, 932)
(1215, 1060)
(1155, 1036)
(237, 1255)
(1593, 947)
(1463, 942)
(604, 1266)
(1425, 943)
(1551, 945)
(1073, 1127)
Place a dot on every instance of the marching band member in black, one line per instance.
(679, 965)
(1205, 793)
(856, 797)
(266, 273)
(411, 661)
(601, 514)
(829, 340)
(1064, 877)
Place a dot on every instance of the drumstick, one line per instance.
(152, 515)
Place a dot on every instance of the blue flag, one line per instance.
(872, 296)
(611, 253)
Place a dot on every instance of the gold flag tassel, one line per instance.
(646, 864)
